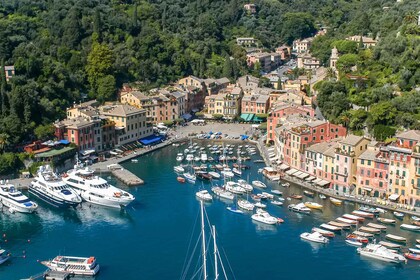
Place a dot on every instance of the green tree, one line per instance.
(73, 30)
(44, 132)
(382, 113)
(99, 64)
(346, 62)
(382, 132)
(106, 88)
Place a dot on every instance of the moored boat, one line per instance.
(370, 230)
(234, 187)
(354, 217)
(390, 245)
(204, 195)
(412, 256)
(364, 234)
(222, 193)
(314, 237)
(346, 221)
(336, 201)
(74, 265)
(330, 227)
(321, 196)
(396, 238)
(355, 237)
(413, 250)
(380, 252)
(179, 169)
(15, 200)
(276, 202)
(410, 227)
(202, 175)
(214, 175)
(363, 214)
(4, 256)
(264, 217)
(340, 225)
(277, 192)
(258, 184)
(313, 205)
(234, 210)
(245, 204)
(354, 242)
(296, 196)
(308, 193)
(386, 221)
(190, 177)
(398, 215)
(381, 227)
(180, 179)
(260, 205)
(324, 232)
(300, 208)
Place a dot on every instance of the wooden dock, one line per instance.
(127, 177)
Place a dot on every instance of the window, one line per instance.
(381, 184)
(363, 161)
(367, 182)
(369, 162)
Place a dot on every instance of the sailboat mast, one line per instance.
(216, 272)
(203, 241)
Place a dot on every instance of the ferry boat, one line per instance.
(381, 253)
(49, 187)
(74, 265)
(95, 189)
(15, 200)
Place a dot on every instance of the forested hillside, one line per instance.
(66, 50)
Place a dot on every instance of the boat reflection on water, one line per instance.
(264, 228)
(90, 215)
(315, 246)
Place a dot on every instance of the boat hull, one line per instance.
(104, 201)
(56, 202)
(16, 206)
(380, 258)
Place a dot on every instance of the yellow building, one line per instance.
(414, 170)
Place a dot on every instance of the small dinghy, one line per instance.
(180, 179)
(234, 210)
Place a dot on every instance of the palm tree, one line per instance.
(345, 119)
(411, 17)
(330, 73)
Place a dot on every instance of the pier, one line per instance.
(127, 177)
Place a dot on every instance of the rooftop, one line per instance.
(352, 140)
(121, 110)
(410, 135)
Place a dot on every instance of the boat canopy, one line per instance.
(284, 167)
(394, 196)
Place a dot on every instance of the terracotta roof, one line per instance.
(121, 110)
(352, 140)
(368, 155)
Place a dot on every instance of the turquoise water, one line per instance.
(150, 239)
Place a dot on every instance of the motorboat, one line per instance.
(15, 200)
(204, 195)
(413, 250)
(330, 227)
(180, 179)
(134, 160)
(314, 237)
(234, 187)
(189, 157)
(264, 217)
(226, 172)
(245, 185)
(50, 188)
(260, 205)
(73, 265)
(180, 157)
(324, 232)
(354, 242)
(204, 157)
(386, 221)
(381, 227)
(245, 204)
(255, 197)
(214, 175)
(370, 230)
(321, 196)
(379, 252)
(372, 210)
(363, 214)
(412, 256)
(364, 234)
(313, 205)
(259, 184)
(296, 196)
(265, 195)
(4, 256)
(197, 159)
(95, 189)
(336, 201)
(347, 221)
(410, 227)
(415, 218)
(277, 192)
(237, 172)
(354, 217)
(398, 215)
(308, 193)
(203, 175)
(396, 238)
(179, 169)
(340, 225)
(355, 237)
(276, 202)
(300, 208)
(234, 210)
(190, 177)
(390, 245)
(222, 193)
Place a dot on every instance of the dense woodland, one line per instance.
(65, 51)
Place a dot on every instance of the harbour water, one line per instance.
(150, 239)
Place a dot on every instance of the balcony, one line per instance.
(345, 153)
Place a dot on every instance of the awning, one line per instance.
(270, 149)
(87, 152)
(187, 116)
(310, 178)
(64, 142)
(274, 158)
(284, 167)
(152, 139)
(394, 196)
(244, 116)
(270, 155)
(250, 117)
(291, 171)
(367, 189)
(257, 119)
(323, 183)
(316, 181)
(269, 169)
(303, 175)
(297, 174)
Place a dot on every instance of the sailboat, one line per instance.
(203, 270)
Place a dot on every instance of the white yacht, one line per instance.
(237, 171)
(244, 184)
(234, 187)
(259, 184)
(227, 173)
(379, 252)
(204, 157)
(264, 217)
(190, 157)
(301, 208)
(214, 175)
(179, 169)
(4, 256)
(204, 195)
(222, 193)
(74, 265)
(95, 189)
(15, 200)
(49, 187)
(179, 157)
(245, 204)
(190, 177)
(314, 237)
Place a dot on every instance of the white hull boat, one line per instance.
(74, 265)
(15, 200)
(214, 175)
(260, 205)
(179, 157)
(354, 243)
(259, 184)
(220, 192)
(234, 188)
(300, 208)
(204, 195)
(314, 237)
(190, 177)
(264, 217)
(4, 256)
(410, 227)
(179, 169)
(244, 204)
(379, 252)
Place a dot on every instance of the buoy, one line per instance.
(5, 240)
(24, 256)
(29, 241)
(4, 235)
(37, 260)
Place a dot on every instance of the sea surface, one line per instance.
(154, 237)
